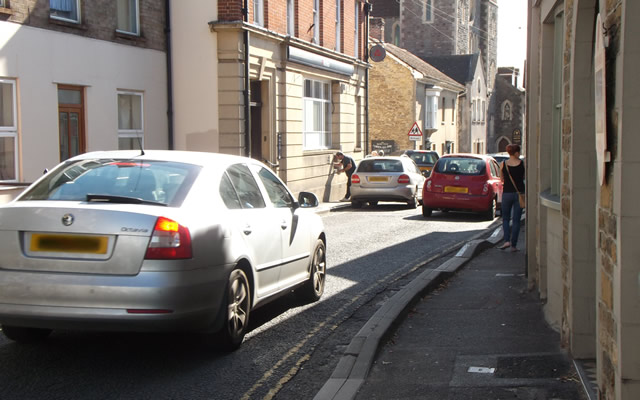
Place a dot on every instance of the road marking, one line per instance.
(411, 267)
(481, 370)
(496, 232)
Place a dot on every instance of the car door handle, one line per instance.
(247, 230)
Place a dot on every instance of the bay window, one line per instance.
(8, 131)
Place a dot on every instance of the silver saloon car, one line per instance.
(386, 179)
(155, 241)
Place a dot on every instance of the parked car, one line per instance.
(425, 159)
(155, 241)
(500, 157)
(386, 179)
(463, 182)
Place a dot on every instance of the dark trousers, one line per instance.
(346, 196)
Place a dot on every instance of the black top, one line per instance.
(345, 161)
(517, 173)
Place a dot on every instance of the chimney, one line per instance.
(376, 28)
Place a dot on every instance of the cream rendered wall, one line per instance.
(41, 59)
(195, 75)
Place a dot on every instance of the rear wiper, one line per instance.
(107, 198)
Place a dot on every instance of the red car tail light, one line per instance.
(169, 240)
(355, 179)
(403, 179)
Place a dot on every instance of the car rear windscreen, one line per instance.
(380, 165)
(162, 182)
(424, 158)
(460, 166)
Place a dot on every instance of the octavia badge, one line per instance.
(67, 219)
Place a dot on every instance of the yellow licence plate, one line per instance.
(378, 179)
(455, 189)
(45, 242)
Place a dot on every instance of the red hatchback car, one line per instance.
(463, 182)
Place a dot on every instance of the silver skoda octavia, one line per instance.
(155, 241)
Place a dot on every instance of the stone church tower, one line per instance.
(443, 27)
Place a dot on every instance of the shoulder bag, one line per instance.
(521, 198)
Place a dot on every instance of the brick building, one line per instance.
(582, 168)
(505, 112)
(429, 28)
(304, 65)
(79, 76)
(405, 90)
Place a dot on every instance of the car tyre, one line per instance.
(314, 287)
(237, 307)
(356, 204)
(426, 211)
(25, 335)
(490, 214)
(413, 203)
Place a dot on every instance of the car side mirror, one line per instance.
(307, 200)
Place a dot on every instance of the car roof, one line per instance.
(468, 155)
(188, 157)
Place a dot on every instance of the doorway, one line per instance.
(71, 121)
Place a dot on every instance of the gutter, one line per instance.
(367, 11)
(167, 32)
(247, 84)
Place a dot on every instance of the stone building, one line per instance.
(429, 28)
(582, 168)
(78, 76)
(404, 90)
(472, 102)
(506, 112)
(291, 83)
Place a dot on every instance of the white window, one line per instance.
(130, 121)
(316, 21)
(128, 20)
(68, 10)
(473, 110)
(316, 115)
(431, 110)
(356, 31)
(453, 111)
(258, 12)
(484, 109)
(338, 26)
(8, 131)
(427, 11)
(290, 18)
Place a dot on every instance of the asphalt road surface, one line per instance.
(292, 348)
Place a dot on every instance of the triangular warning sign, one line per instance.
(415, 130)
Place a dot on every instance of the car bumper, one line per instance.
(149, 301)
(453, 201)
(398, 193)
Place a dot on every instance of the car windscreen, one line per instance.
(117, 180)
(380, 165)
(424, 158)
(460, 166)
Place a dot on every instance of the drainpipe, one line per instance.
(367, 11)
(247, 87)
(167, 32)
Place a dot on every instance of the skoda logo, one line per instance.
(67, 219)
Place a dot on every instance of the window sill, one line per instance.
(5, 11)
(550, 200)
(130, 37)
(68, 24)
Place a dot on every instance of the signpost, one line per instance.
(415, 133)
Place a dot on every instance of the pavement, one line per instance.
(467, 327)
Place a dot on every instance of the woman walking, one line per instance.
(512, 174)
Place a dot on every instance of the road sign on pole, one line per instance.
(415, 133)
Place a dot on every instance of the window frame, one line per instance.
(324, 135)
(431, 105)
(11, 131)
(427, 11)
(136, 31)
(57, 17)
(131, 133)
(258, 14)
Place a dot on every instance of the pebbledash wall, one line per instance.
(302, 88)
(582, 231)
(39, 53)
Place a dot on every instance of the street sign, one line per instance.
(415, 133)
(377, 53)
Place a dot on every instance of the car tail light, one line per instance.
(403, 179)
(355, 179)
(169, 240)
